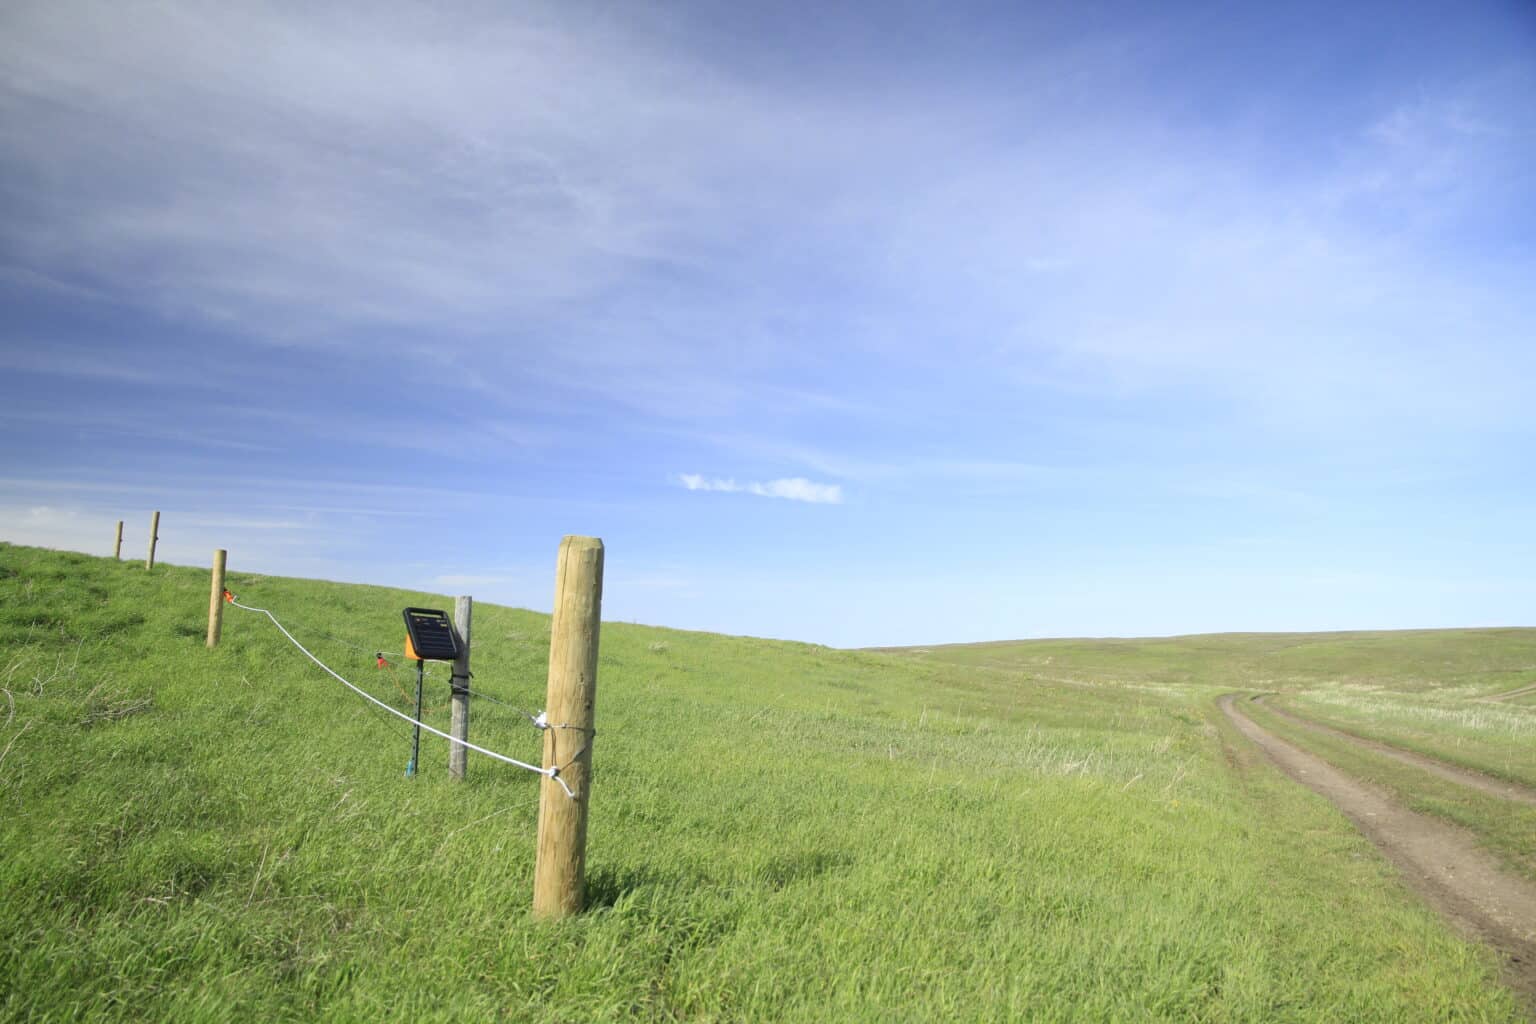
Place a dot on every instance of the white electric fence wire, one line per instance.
(392, 662)
(552, 772)
(538, 721)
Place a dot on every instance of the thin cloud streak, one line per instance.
(793, 488)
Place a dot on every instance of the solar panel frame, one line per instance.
(431, 634)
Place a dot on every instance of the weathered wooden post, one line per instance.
(559, 875)
(216, 599)
(458, 757)
(117, 545)
(154, 535)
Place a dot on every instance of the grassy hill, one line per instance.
(779, 831)
(1460, 661)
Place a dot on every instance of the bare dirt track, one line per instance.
(1522, 691)
(1440, 862)
(1461, 776)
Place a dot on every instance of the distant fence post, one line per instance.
(458, 756)
(559, 874)
(216, 599)
(117, 545)
(154, 535)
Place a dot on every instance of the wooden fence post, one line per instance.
(154, 535)
(216, 599)
(117, 545)
(559, 874)
(458, 757)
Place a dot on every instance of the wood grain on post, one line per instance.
(154, 535)
(559, 875)
(458, 757)
(117, 545)
(216, 599)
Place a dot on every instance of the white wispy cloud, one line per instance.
(930, 245)
(245, 523)
(42, 357)
(557, 158)
(792, 488)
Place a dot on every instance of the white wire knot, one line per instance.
(553, 772)
(541, 721)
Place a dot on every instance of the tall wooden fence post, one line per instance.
(117, 545)
(216, 599)
(154, 535)
(559, 875)
(458, 757)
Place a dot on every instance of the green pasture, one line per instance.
(779, 831)
(1444, 664)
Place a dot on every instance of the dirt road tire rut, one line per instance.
(1440, 862)
(1461, 776)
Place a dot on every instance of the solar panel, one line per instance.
(429, 635)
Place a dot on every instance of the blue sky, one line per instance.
(888, 324)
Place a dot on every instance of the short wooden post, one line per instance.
(117, 545)
(458, 728)
(216, 599)
(154, 535)
(559, 874)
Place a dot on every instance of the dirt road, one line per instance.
(1440, 862)
(1461, 776)
(1522, 691)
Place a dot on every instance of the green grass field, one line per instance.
(1061, 830)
